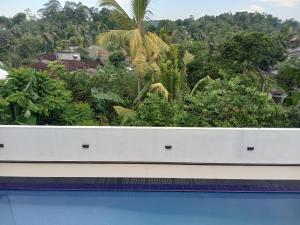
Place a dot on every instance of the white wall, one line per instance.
(3, 74)
(147, 145)
(68, 56)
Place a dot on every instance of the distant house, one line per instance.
(68, 55)
(274, 70)
(3, 27)
(294, 52)
(98, 53)
(278, 95)
(3, 74)
(295, 42)
(70, 64)
(72, 48)
(93, 51)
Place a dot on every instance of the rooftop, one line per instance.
(71, 65)
(3, 74)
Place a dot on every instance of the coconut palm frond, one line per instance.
(109, 96)
(160, 88)
(143, 47)
(201, 83)
(124, 114)
(142, 93)
(136, 45)
(140, 65)
(118, 14)
(154, 67)
(137, 51)
(116, 36)
(140, 10)
(47, 37)
(124, 22)
(188, 58)
(143, 68)
(155, 45)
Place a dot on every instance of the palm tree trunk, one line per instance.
(262, 79)
(139, 81)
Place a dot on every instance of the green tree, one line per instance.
(204, 63)
(117, 58)
(223, 103)
(49, 39)
(289, 72)
(28, 46)
(19, 18)
(78, 114)
(144, 47)
(6, 40)
(253, 50)
(50, 9)
(173, 72)
(294, 116)
(30, 97)
(157, 111)
(34, 97)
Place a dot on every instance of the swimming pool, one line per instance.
(147, 208)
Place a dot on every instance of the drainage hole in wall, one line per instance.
(250, 149)
(168, 147)
(85, 146)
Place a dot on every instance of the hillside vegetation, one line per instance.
(231, 70)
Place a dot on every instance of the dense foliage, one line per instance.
(215, 71)
(25, 35)
(157, 111)
(290, 72)
(229, 103)
(30, 97)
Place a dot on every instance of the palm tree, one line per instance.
(144, 47)
(49, 40)
(173, 76)
(83, 30)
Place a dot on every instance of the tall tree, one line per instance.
(6, 40)
(173, 72)
(229, 103)
(289, 72)
(144, 47)
(253, 50)
(50, 9)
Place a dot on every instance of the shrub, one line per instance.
(78, 114)
(117, 58)
(157, 111)
(231, 104)
(289, 72)
(31, 97)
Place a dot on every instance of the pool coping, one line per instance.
(149, 185)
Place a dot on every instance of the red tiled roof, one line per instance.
(78, 65)
(48, 56)
(277, 92)
(70, 65)
(39, 65)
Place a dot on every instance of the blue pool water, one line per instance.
(147, 208)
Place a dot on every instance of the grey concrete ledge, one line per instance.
(129, 145)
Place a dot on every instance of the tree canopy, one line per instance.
(229, 70)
